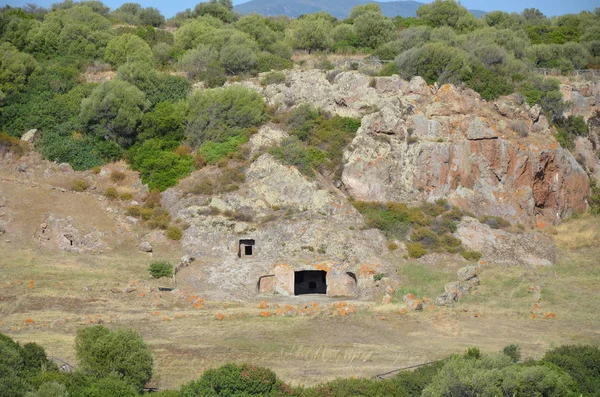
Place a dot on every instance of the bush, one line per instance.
(472, 256)
(117, 176)
(234, 380)
(273, 78)
(513, 351)
(103, 354)
(495, 222)
(160, 269)
(11, 144)
(582, 363)
(111, 193)
(212, 152)
(415, 250)
(79, 185)
(174, 233)
(159, 166)
(218, 114)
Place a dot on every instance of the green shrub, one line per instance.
(159, 166)
(273, 78)
(582, 363)
(415, 250)
(218, 114)
(473, 256)
(174, 233)
(234, 380)
(425, 236)
(378, 276)
(79, 185)
(160, 269)
(513, 351)
(212, 152)
(125, 196)
(107, 354)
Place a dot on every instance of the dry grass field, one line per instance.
(46, 295)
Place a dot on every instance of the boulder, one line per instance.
(501, 247)
(267, 136)
(466, 273)
(145, 247)
(31, 136)
(66, 168)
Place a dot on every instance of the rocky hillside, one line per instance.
(421, 142)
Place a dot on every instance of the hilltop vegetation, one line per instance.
(148, 114)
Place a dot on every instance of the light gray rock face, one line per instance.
(31, 136)
(583, 96)
(64, 235)
(504, 248)
(419, 142)
(145, 247)
(268, 136)
(297, 225)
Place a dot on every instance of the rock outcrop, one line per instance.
(278, 223)
(418, 142)
(64, 235)
(504, 248)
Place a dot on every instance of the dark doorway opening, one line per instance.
(310, 282)
(246, 248)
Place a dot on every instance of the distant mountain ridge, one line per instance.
(337, 8)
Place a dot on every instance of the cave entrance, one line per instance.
(246, 248)
(310, 282)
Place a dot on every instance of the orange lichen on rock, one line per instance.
(263, 305)
(219, 316)
(31, 284)
(265, 314)
(166, 319)
(532, 316)
(366, 270)
(155, 313)
(29, 321)
(550, 315)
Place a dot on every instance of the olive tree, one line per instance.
(217, 114)
(447, 13)
(373, 29)
(311, 33)
(127, 48)
(114, 110)
(104, 353)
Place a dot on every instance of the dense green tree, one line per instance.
(215, 9)
(364, 8)
(217, 114)
(193, 33)
(114, 110)
(259, 28)
(311, 33)
(163, 53)
(582, 363)
(157, 87)
(196, 62)
(447, 13)
(121, 353)
(373, 29)
(165, 121)
(127, 48)
(151, 16)
(77, 31)
(238, 58)
(434, 62)
(15, 69)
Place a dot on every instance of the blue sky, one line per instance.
(548, 7)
